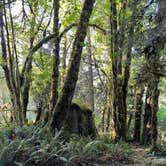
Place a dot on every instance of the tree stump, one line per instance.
(79, 121)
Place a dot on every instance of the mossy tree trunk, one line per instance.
(4, 55)
(145, 138)
(138, 111)
(79, 121)
(120, 78)
(152, 61)
(155, 108)
(64, 102)
(25, 78)
(103, 119)
(9, 57)
(55, 65)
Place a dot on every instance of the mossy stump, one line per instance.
(79, 121)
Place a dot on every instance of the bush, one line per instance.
(160, 150)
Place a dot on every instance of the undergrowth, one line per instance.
(34, 145)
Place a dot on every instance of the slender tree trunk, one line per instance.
(155, 108)
(26, 72)
(103, 119)
(39, 111)
(26, 86)
(113, 25)
(64, 102)
(108, 118)
(64, 56)
(138, 112)
(13, 70)
(55, 66)
(4, 54)
(146, 117)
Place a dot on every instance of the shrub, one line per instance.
(34, 145)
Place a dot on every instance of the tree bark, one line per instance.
(55, 65)
(108, 118)
(90, 73)
(13, 69)
(120, 80)
(138, 112)
(64, 56)
(4, 54)
(155, 108)
(103, 119)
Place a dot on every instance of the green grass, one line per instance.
(162, 118)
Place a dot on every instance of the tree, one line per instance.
(55, 65)
(120, 79)
(64, 101)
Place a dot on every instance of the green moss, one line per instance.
(83, 105)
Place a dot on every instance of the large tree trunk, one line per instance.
(64, 102)
(152, 62)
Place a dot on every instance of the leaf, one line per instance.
(63, 159)
(19, 163)
(82, 44)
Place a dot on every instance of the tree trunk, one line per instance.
(155, 108)
(64, 102)
(26, 86)
(138, 112)
(55, 65)
(90, 73)
(13, 71)
(64, 56)
(146, 117)
(4, 54)
(39, 111)
(26, 73)
(103, 119)
(108, 118)
(120, 81)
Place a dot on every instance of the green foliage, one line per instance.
(34, 145)
(162, 117)
(29, 145)
(161, 149)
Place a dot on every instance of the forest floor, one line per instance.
(35, 146)
(141, 157)
(146, 158)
